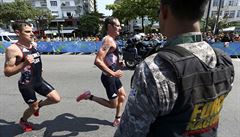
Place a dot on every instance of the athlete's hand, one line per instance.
(118, 74)
(29, 59)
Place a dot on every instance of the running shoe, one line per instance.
(36, 113)
(85, 95)
(116, 122)
(26, 126)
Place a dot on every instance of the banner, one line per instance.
(231, 48)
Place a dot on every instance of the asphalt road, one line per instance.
(70, 75)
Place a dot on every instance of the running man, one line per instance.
(107, 60)
(23, 57)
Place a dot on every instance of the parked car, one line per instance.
(8, 37)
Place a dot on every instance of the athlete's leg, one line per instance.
(52, 98)
(29, 111)
(26, 126)
(107, 103)
(111, 103)
(121, 98)
(111, 89)
(45, 89)
(29, 97)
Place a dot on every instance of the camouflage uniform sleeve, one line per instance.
(153, 93)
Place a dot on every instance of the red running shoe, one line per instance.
(85, 95)
(26, 126)
(36, 113)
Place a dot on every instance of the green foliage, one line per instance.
(127, 10)
(89, 25)
(235, 23)
(59, 50)
(20, 10)
(44, 17)
(97, 14)
(222, 23)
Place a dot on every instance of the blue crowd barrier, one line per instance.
(233, 49)
(2, 49)
(69, 46)
(3, 46)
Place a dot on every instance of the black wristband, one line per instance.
(91, 97)
(117, 117)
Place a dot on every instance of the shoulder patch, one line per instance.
(133, 92)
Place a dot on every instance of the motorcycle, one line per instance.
(136, 51)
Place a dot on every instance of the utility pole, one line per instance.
(208, 12)
(218, 14)
(95, 5)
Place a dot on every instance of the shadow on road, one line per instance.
(9, 129)
(67, 123)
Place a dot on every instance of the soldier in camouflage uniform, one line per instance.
(157, 105)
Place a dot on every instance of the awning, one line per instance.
(229, 29)
(56, 31)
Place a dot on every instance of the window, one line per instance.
(232, 14)
(226, 14)
(55, 13)
(67, 3)
(53, 3)
(69, 14)
(238, 13)
(6, 38)
(231, 3)
(214, 14)
(215, 3)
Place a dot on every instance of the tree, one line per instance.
(89, 25)
(43, 17)
(127, 10)
(222, 23)
(20, 10)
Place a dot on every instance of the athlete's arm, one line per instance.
(99, 60)
(10, 66)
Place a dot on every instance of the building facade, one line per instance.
(66, 14)
(229, 9)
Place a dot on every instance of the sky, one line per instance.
(101, 4)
